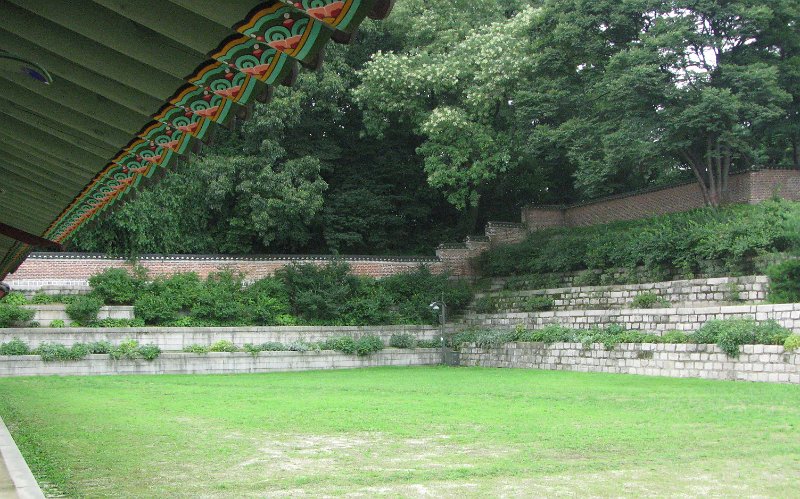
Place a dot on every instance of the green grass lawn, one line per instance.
(405, 431)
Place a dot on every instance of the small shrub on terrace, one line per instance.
(149, 352)
(367, 345)
(100, 347)
(344, 344)
(271, 346)
(14, 298)
(126, 350)
(58, 323)
(792, 343)
(784, 282)
(432, 343)
(109, 322)
(484, 305)
(403, 340)
(15, 347)
(649, 300)
(730, 334)
(676, 337)
(196, 349)
(537, 303)
(84, 309)
(11, 315)
(223, 346)
(55, 351)
(118, 286)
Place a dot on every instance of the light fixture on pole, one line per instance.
(441, 308)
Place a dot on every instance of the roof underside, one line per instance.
(137, 85)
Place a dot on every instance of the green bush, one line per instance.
(58, 323)
(537, 303)
(403, 340)
(730, 334)
(100, 347)
(12, 315)
(433, 343)
(14, 298)
(156, 309)
(109, 322)
(149, 352)
(220, 300)
(784, 282)
(649, 300)
(368, 344)
(14, 347)
(268, 302)
(196, 349)
(676, 337)
(130, 349)
(118, 286)
(223, 346)
(272, 346)
(84, 309)
(792, 343)
(55, 351)
(344, 344)
(319, 293)
(701, 241)
(45, 299)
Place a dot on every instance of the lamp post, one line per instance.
(441, 308)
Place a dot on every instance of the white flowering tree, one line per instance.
(459, 99)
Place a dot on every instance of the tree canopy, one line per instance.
(452, 113)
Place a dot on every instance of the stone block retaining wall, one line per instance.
(216, 363)
(46, 314)
(176, 338)
(678, 293)
(755, 362)
(655, 320)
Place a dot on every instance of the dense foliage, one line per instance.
(451, 113)
(784, 282)
(297, 294)
(702, 241)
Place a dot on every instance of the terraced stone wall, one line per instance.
(755, 362)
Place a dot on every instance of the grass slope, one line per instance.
(444, 431)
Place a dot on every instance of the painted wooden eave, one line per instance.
(137, 86)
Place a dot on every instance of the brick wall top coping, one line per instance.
(641, 191)
(646, 286)
(348, 258)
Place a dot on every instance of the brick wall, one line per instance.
(746, 187)
(755, 362)
(73, 269)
